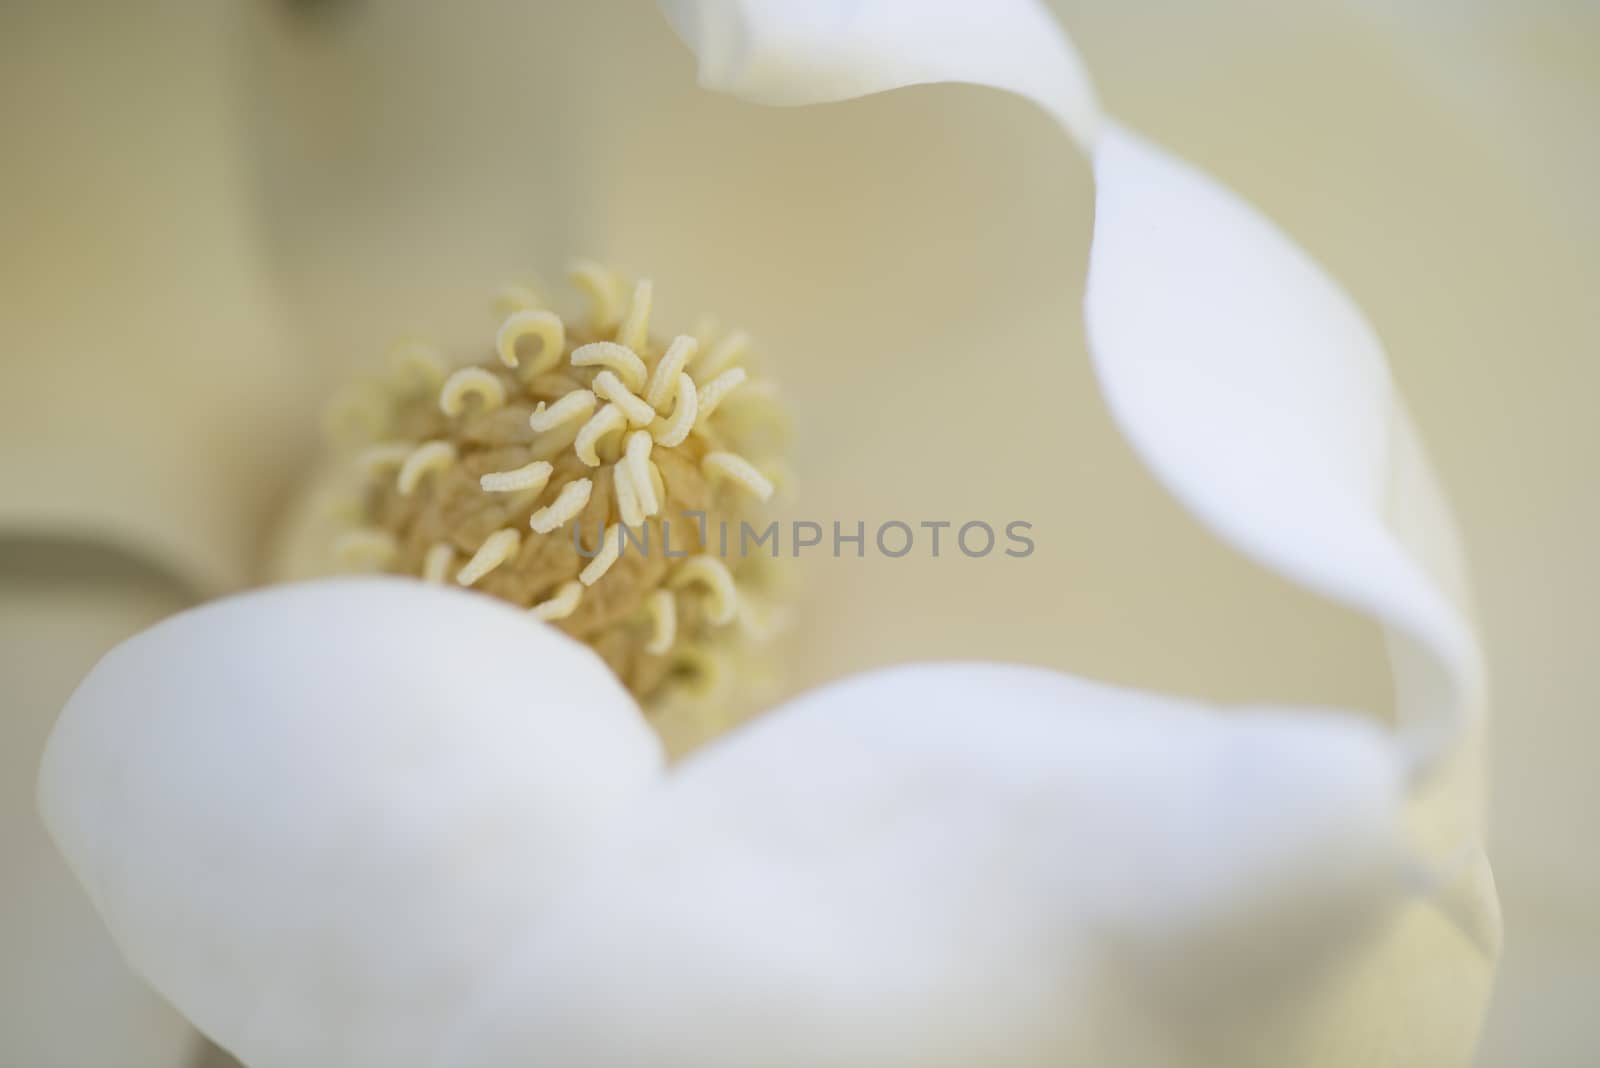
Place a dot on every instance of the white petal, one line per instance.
(964, 864)
(310, 815)
(782, 52)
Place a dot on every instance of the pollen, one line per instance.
(587, 470)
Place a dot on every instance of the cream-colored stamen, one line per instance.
(496, 549)
(436, 562)
(572, 407)
(419, 363)
(366, 548)
(604, 290)
(674, 430)
(377, 460)
(723, 354)
(736, 468)
(610, 552)
(610, 387)
(471, 380)
(529, 323)
(562, 605)
(641, 472)
(712, 393)
(715, 576)
(425, 458)
(527, 477)
(619, 358)
(607, 420)
(568, 503)
(636, 324)
(663, 610)
(664, 379)
(627, 496)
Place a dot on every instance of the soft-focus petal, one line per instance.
(67, 1000)
(965, 864)
(310, 815)
(786, 53)
(148, 397)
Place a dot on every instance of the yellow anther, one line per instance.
(574, 406)
(563, 604)
(635, 328)
(736, 468)
(604, 290)
(425, 458)
(376, 460)
(610, 387)
(723, 354)
(619, 358)
(718, 581)
(471, 380)
(641, 472)
(527, 477)
(568, 503)
(436, 562)
(366, 548)
(607, 420)
(546, 326)
(610, 552)
(416, 362)
(496, 549)
(713, 392)
(516, 297)
(664, 379)
(663, 610)
(627, 496)
(675, 430)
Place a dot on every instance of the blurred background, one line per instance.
(212, 214)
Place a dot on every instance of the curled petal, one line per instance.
(310, 816)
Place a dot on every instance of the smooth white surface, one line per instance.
(965, 864)
(310, 816)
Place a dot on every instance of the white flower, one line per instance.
(1307, 464)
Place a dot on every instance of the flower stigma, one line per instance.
(579, 470)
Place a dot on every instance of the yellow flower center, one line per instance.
(591, 473)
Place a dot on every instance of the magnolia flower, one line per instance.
(1438, 927)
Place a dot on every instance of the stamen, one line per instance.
(621, 359)
(712, 392)
(428, 457)
(604, 290)
(563, 604)
(635, 326)
(418, 362)
(636, 455)
(375, 460)
(714, 575)
(544, 325)
(665, 377)
(516, 297)
(436, 564)
(675, 430)
(527, 477)
(574, 406)
(627, 497)
(496, 549)
(707, 672)
(607, 420)
(366, 548)
(724, 353)
(736, 468)
(663, 609)
(568, 503)
(610, 552)
(609, 386)
(473, 380)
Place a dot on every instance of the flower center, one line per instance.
(587, 472)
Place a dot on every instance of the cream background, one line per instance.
(914, 264)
